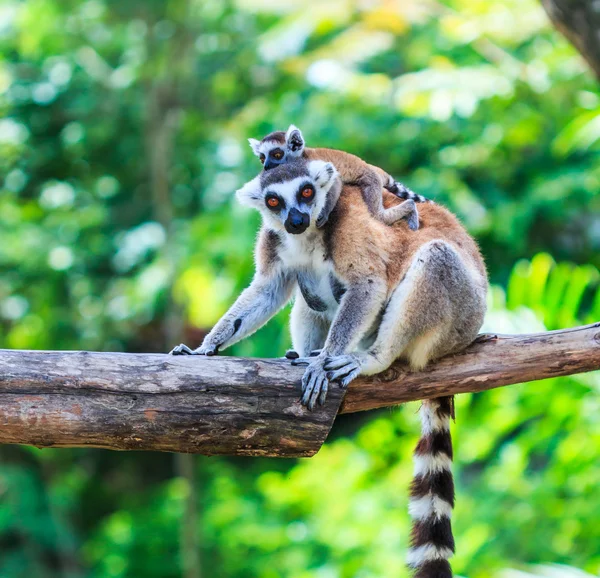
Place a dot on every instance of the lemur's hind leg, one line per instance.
(406, 210)
(372, 190)
(436, 309)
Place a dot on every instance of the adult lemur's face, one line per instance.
(290, 196)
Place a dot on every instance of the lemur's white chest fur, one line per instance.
(306, 251)
(306, 256)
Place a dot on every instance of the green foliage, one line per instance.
(122, 138)
(561, 294)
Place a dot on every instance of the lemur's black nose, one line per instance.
(297, 222)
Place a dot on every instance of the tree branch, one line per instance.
(235, 406)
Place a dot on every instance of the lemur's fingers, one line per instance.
(181, 349)
(323, 394)
(345, 382)
(291, 354)
(315, 353)
(319, 391)
(314, 384)
(339, 361)
(309, 381)
(343, 369)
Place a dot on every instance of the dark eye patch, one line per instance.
(277, 154)
(274, 202)
(306, 193)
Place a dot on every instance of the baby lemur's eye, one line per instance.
(277, 154)
(273, 202)
(262, 158)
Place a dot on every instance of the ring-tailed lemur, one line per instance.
(365, 301)
(281, 147)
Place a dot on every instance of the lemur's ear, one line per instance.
(323, 173)
(250, 194)
(255, 145)
(294, 141)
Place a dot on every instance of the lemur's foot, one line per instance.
(183, 349)
(413, 221)
(343, 369)
(314, 384)
(297, 360)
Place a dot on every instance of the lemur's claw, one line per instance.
(291, 354)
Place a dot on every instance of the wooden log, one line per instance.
(491, 361)
(235, 406)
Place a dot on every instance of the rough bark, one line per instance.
(579, 21)
(207, 405)
(234, 406)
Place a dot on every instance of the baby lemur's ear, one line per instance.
(254, 144)
(250, 194)
(323, 173)
(294, 141)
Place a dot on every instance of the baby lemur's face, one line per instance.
(291, 195)
(278, 147)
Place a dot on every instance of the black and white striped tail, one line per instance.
(432, 493)
(403, 192)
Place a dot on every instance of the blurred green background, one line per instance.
(123, 128)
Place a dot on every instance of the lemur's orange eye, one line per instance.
(277, 155)
(262, 159)
(307, 193)
(273, 202)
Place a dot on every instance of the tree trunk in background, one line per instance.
(162, 120)
(579, 21)
(189, 548)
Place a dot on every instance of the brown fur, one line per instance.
(362, 245)
(350, 167)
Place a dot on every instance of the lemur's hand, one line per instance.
(322, 218)
(183, 349)
(220, 334)
(343, 368)
(314, 382)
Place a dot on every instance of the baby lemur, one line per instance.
(365, 294)
(282, 147)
